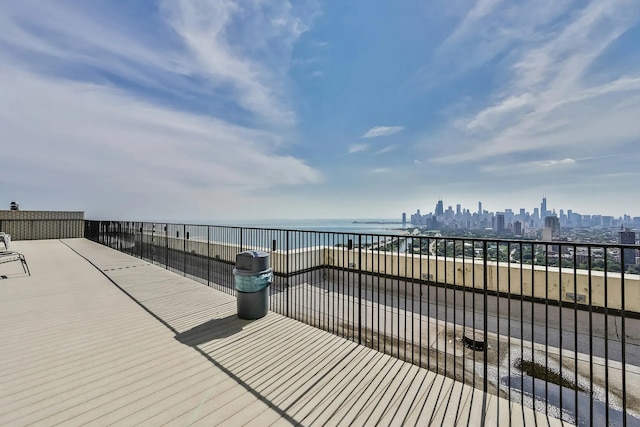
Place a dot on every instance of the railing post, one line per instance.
(153, 242)
(623, 346)
(484, 314)
(288, 274)
(184, 249)
(360, 289)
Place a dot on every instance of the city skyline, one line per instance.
(176, 110)
(537, 217)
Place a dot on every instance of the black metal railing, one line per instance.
(552, 325)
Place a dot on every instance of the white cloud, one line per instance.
(381, 170)
(221, 40)
(207, 49)
(387, 149)
(490, 117)
(78, 138)
(356, 148)
(382, 131)
(550, 101)
(488, 29)
(480, 9)
(561, 162)
(536, 167)
(119, 149)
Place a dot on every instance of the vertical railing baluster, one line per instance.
(184, 249)
(533, 319)
(437, 305)
(606, 340)
(485, 319)
(575, 329)
(446, 306)
(486, 337)
(509, 320)
(590, 302)
(420, 280)
(359, 288)
(623, 314)
(546, 326)
(560, 331)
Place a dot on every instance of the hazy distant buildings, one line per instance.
(628, 237)
(551, 228)
(542, 222)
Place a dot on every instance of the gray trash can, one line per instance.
(252, 277)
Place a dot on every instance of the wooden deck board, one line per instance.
(95, 336)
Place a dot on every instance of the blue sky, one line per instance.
(205, 110)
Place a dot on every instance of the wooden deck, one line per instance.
(97, 337)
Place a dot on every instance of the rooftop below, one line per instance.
(98, 336)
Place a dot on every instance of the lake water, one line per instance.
(328, 232)
(366, 226)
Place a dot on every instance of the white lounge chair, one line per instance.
(7, 255)
(6, 240)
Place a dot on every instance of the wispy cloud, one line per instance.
(551, 163)
(120, 133)
(207, 49)
(552, 100)
(537, 166)
(197, 113)
(387, 149)
(221, 42)
(382, 131)
(489, 29)
(381, 170)
(357, 148)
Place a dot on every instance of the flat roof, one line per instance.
(97, 336)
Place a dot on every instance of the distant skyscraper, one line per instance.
(517, 228)
(543, 208)
(500, 222)
(628, 237)
(552, 223)
(439, 208)
(479, 208)
(458, 209)
(404, 218)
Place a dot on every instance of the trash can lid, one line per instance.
(252, 261)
